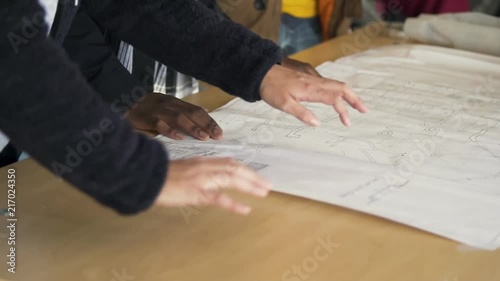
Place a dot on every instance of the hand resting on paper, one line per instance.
(201, 182)
(173, 118)
(284, 88)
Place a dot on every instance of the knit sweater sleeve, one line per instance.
(190, 37)
(48, 109)
(85, 45)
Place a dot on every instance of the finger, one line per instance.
(164, 129)
(246, 173)
(354, 100)
(227, 203)
(184, 197)
(313, 93)
(189, 127)
(254, 186)
(294, 108)
(336, 89)
(232, 174)
(241, 180)
(197, 198)
(316, 89)
(342, 111)
(203, 120)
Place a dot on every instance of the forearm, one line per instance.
(193, 39)
(49, 110)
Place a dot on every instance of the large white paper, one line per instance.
(426, 155)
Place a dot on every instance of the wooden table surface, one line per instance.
(64, 235)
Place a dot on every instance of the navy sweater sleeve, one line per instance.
(86, 46)
(190, 37)
(48, 109)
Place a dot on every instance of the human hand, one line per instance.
(173, 117)
(300, 66)
(200, 182)
(284, 89)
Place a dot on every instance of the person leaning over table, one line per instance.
(49, 109)
(93, 49)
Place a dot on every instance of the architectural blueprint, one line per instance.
(427, 154)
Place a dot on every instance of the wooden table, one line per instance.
(64, 235)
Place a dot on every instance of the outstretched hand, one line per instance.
(284, 89)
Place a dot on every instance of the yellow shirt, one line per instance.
(300, 8)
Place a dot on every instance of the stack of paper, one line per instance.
(426, 155)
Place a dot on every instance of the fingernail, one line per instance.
(262, 192)
(178, 136)
(203, 135)
(314, 121)
(217, 132)
(245, 210)
(348, 123)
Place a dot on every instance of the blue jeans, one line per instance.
(297, 34)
